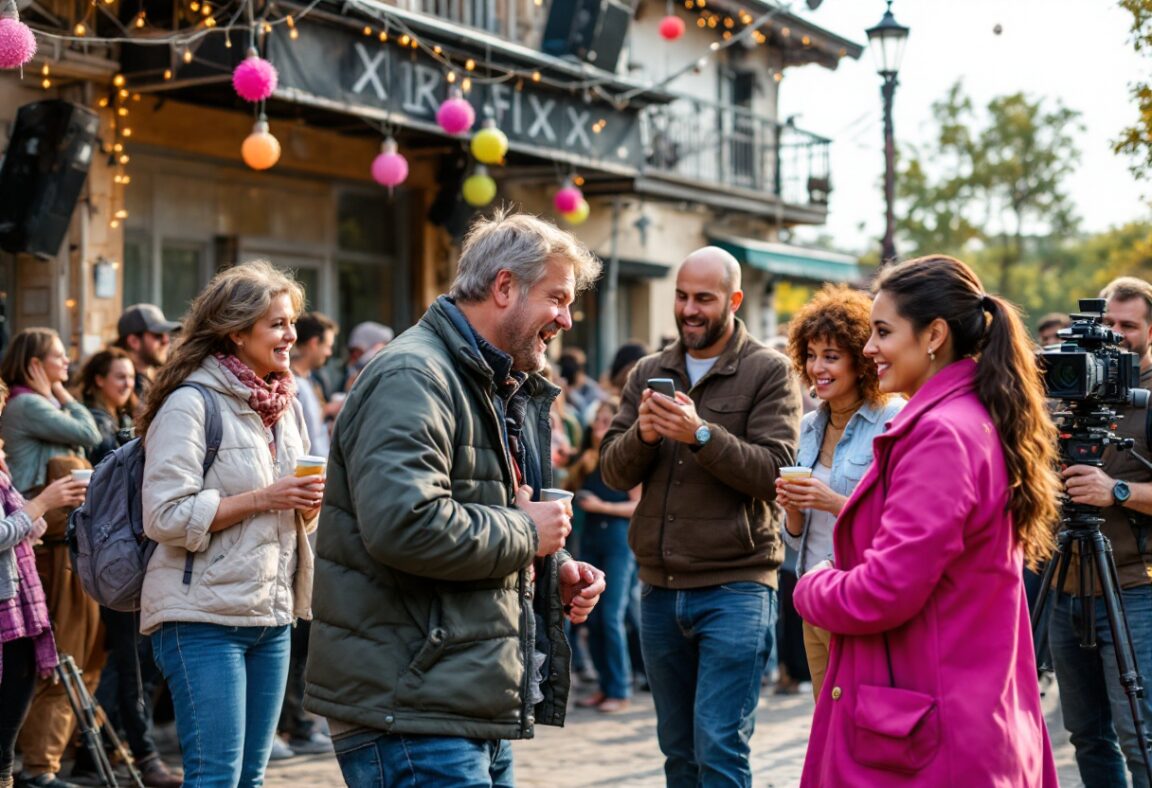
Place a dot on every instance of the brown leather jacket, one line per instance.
(707, 516)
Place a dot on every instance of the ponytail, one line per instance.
(1008, 382)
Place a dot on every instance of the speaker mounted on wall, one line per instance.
(43, 173)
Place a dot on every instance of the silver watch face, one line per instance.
(703, 434)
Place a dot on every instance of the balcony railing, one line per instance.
(731, 146)
(515, 20)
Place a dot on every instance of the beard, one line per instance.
(521, 339)
(713, 330)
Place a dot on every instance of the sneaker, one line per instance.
(314, 743)
(154, 773)
(44, 780)
(280, 750)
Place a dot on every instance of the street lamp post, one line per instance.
(888, 39)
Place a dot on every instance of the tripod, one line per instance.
(92, 729)
(1081, 528)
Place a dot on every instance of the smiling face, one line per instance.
(833, 373)
(900, 353)
(265, 348)
(116, 387)
(55, 362)
(538, 315)
(705, 306)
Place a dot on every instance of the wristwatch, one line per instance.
(1121, 492)
(703, 435)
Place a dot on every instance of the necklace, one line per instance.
(846, 413)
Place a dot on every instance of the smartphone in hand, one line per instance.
(665, 386)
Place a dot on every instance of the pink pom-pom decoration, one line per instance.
(389, 168)
(671, 27)
(567, 199)
(456, 115)
(255, 79)
(17, 43)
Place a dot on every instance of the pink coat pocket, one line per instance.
(894, 729)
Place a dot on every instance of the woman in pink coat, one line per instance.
(932, 677)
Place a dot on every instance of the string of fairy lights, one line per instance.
(255, 79)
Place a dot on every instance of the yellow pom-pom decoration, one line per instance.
(579, 215)
(479, 189)
(489, 144)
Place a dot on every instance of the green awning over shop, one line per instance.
(793, 262)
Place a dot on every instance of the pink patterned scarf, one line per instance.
(26, 614)
(269, 399)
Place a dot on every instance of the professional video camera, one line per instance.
(1090, 374)
(1089, 364)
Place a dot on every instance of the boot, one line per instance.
(155, 774)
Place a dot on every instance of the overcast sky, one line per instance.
(1075, 51)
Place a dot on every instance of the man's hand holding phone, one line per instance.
(646, 421)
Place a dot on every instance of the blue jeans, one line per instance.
(604, 544)
(704, 650)
(407, 761)
(1096, 710)
(227, 684)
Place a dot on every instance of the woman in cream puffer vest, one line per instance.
(220, 624)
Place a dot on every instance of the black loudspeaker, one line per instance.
(42, 173)
(592, 30)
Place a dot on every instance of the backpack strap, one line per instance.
(213, 435)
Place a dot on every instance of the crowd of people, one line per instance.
(486, 525)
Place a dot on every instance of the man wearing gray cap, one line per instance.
(147, 336)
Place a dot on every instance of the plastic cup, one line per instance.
(555, 494)
(795, 472)
(82, 475)
(309, 465)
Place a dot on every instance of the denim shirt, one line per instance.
(850, 459)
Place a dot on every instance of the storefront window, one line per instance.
(181, 277)
(137, 271)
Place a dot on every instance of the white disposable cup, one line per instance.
(310, 465)
(82, 475)
(795, 472)
(555, 494)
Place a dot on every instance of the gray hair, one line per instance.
(523, 245)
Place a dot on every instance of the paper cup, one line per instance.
(795, 472)
(555, 494)
(82, 475)
(309, 465)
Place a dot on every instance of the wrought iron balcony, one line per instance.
(515, 20)
(729, 146)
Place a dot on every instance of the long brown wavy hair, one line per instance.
(231, 304)
(1008, 382)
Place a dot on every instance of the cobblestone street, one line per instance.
(596, 749)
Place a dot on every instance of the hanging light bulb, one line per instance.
(260, 149)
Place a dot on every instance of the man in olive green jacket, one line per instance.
(441, 585)
(706, 533)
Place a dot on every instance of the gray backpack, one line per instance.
(106, 533)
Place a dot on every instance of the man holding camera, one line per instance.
(706, 533)
(1095, 706)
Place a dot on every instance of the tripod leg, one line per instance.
(1088, 577)
(1058, 561)
(1126, 665)
(86, 719)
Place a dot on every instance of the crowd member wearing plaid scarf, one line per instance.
(27, 647)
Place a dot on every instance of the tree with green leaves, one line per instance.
(1136, 140)
(988, 182)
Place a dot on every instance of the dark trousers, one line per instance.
(16, 687)
(790, 631)
(119, 691)
(293, 719)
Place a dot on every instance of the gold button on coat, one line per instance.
(835, 693)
